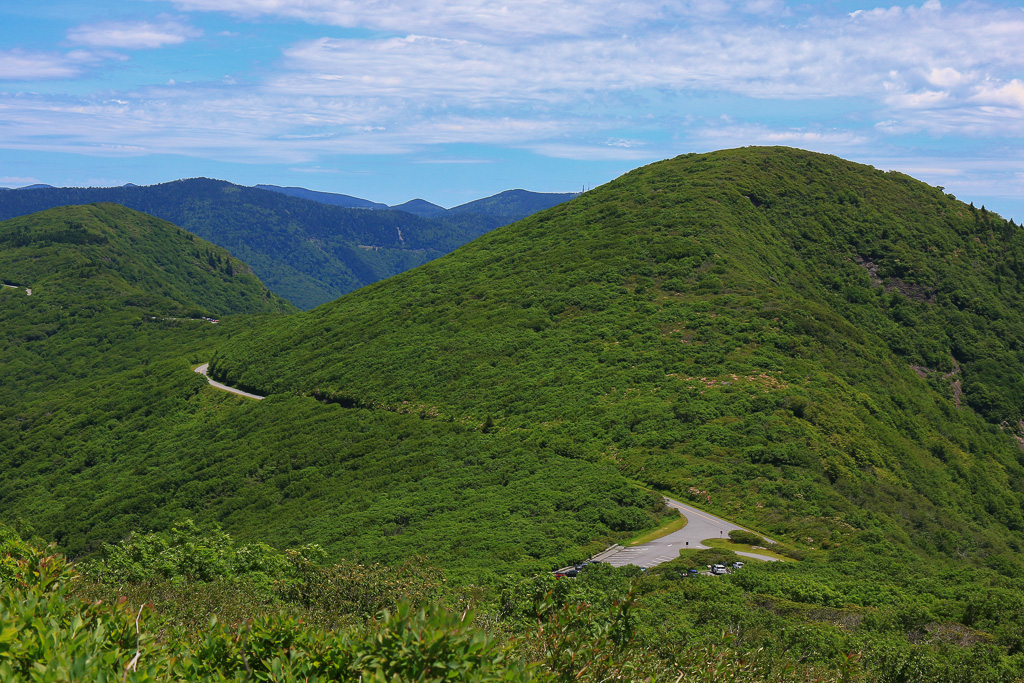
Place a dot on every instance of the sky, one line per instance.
(453, 100)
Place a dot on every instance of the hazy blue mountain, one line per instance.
(421, 207)
(325, 197)
(513, 205)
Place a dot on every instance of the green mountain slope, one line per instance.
(109, 253)
(303, 250)
(785, 332)
(108, 285)
(105, 429)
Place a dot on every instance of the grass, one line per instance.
(674, 524)
(729, 545)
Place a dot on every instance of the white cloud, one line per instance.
(947, 77)
(585, 152)
(740, 135)
(1002, 94)
(313, 169)
(25, 65)
(912, 58)
(133, 35)
(497, 19)
(556, 78)
(15, 181)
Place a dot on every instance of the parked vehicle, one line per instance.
(737, 565)
(718, 569)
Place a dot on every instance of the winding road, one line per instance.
(202, 370)
(699, 526)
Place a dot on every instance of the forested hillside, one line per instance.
(303, 250)
(108, 254)
(822, 348)
(817, 350)
(106, 430)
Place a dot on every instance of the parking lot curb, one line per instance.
(605, 554)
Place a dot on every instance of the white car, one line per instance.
(718, 569)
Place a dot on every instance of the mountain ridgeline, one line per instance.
(309, 247)
(800, 336)
(510, 205)
(305, 251)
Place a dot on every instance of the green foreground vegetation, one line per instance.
(190, 604)
(812, 348)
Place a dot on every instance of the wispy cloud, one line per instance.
(15, 181)
(463, 18)
(591, 152)
(453, 161)
(727, 134)
(28, 65)
(910, 59)
(133, 35)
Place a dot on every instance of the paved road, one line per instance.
(202, 371)
(699, 526)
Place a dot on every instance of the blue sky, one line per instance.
(452, 100)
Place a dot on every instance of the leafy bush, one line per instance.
(745, 537)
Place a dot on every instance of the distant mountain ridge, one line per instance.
(304, 248)
(512, 205)
(306, 251)
(325, 197)
(421, 207)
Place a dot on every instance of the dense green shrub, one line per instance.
(745, 537)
